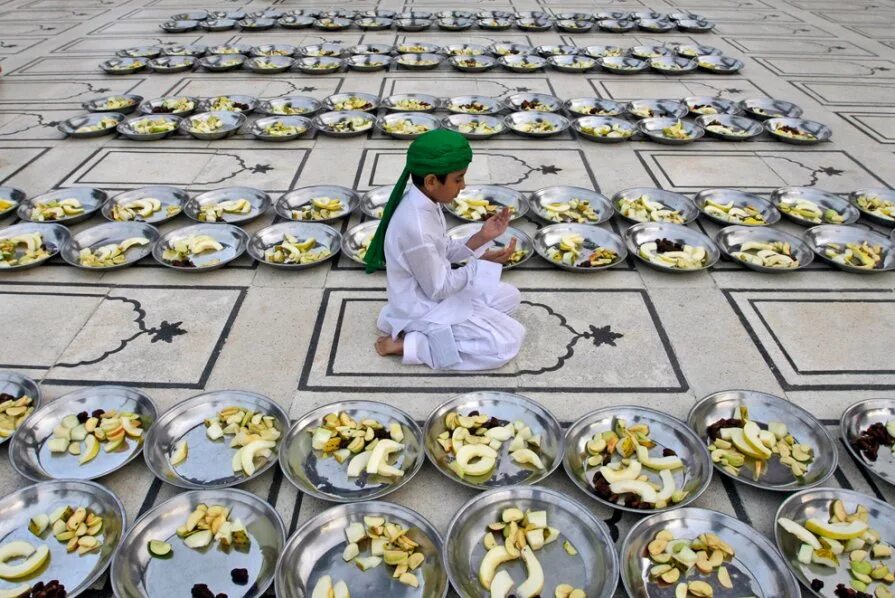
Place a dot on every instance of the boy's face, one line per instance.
(454, 183)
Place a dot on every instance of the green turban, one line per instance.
(436, 152)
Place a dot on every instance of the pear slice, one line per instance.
(380, 454)
(527, 456)
(657, 463)
(248, 453)
(36, 557)
(340, 590)
(358, 464)
(752, 435)
(837, 531)
(668, 486)
(799, 532)
(180, 453)
(736, 436)
(485, 455)
(502, 584)
(493, 559)
(641, 489)
(91, 450)
(621, 475)
(324, 587)
(535, 581)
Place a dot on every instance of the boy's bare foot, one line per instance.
(386, 346)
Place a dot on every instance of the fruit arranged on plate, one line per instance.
(111, 254)
(255, 435)
(13, 412)
(117, 103)
(387, 542)
(129, 66)
(733, 213)
(534, 106)
(76, 527)
(846, 540)
(152, 126)
(181, 252)
(666, 66)
(672, 254)
(215, 211)
(873, 204)
(810, 211)
(12, 254)
(475, 440)
(525, 64)
(570, 248)
(412, 49)
(875, 435)
(516, 257)
(368, 445)
(773, 254)
(676, 131)
(573, 210)
(470, 62)
(645, 112)
(265, 63)
(206, 124)
(476, 127)
(716, 127)
(405, 127)
(223, 103)
(210, 523)
(473, 107)
(286, 109)
(622, 456)
(517, 535)
(674, 559)
(140, 209)
(294, 251)
(365, 245)
(82, 434)
(319, 208)
(704, 109)
(413, 104)
(281, 129)
(794, 133)
(229, 62)
(35, 558)
(477, 208)
(739, 442)
(325, 588)
(56, 210)
(416, 60)
(104, 123)
(171, 105)
(353, 103)
(644, 209)
(609, 131)
(535, 126)
(857, 255)
(351, 125)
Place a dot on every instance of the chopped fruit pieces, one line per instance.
(644, 209)
(388, 542)
(475, 440)
(370, 444)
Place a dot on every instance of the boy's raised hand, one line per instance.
(496, 225)
(501, 256)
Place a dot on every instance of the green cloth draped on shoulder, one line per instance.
(436, 152)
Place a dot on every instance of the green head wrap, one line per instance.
(436, 152)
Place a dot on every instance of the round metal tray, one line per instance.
(55, 236)
(764, 408)
(233, 238)
(107, 234)
(505, 406)
(824, 234)
(303, 125)
(740, 199)
(823, 199)
(857, 418)
(730, 238)
(169, 197)
(595, 569)
(91, 199)
(594, 237)
(70, 126)
(259, 200)
(353, 240)
(301, 197)
(882, 193)
(564, 193)
(136, 574)
(820, 131)
(30, 456)
(644, 232)
(275, 234)
(325, 478)
(666, 431)
(17, 385)
(496, 194)
(654, 129)
(670, 199)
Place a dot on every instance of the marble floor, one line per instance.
(630, 335)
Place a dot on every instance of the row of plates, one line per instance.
(275, 13)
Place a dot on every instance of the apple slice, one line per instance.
(752, 435)
(380, 454)
(247, 458)
(736, 436)
(91, 450)
(799, 532)
(180, 453)
(657, 463)
(358, 464)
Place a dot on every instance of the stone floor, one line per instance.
(633, 335)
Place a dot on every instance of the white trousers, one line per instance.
(486, 341)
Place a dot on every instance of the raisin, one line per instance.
(240, 576)
(714, 430)
(668, 453)
(97, 413)
(817, 585)
(83, 417)
(6, 397)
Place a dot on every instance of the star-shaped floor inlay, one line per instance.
(603, 335)
(261, 168)
(830, 171)
(308, 89)
(549, 169)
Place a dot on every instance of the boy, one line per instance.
(446, 318)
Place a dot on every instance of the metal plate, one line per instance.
(465, 50)
(617, 25)
(623, 65)
(54, 237)
(274, 50)
(451, 24)
(695, 50)
(258, 199)
(184, 50)
(472, 64)
(326, 49)
(274, 234)
(332, 24)
(243, 104)
(599, 121)
(708, 105)
(673, 65)
(303, 125)
(140, 52)
(208, 464)
(819, 236)
(414, 47)
(695, 25)
(505, 406)
(738, 123)
(644, 232)
(666, 431)
(354, 239)
(497, 194)
(764, 408)
(657, 109)
(416, 118)
(324, 123)
(723, 65)
(764, 108)
(594, 237)
(470, 105)
(574, 26)
(604, 51)
(278, 64)
(172, 64)
(325, 478)
(233, 238)
(654, 129)
(394, 102)
(492, 24)
(126, 128)
(531, 24)
(731, 237)
(756, 570)
(295, 22)
(256, 24)
(594, 107)
(821, 198)
(523, 241)
(648, 52)
(30, 456)
(373, 201)
(300, 197)
(740, 199)
(231, 122)
(510, 49)
(816, 503)
(369, 62)
(374, 23)
(319, 65)
(516, 120)
(656, 25)
(18, 385)
(283, 106)
(218, 24)
(455, 121)
(123, 66)
(156, 106)
(316, 550)
(419, 62)
(136, 574)
(107, 234)
(857, 418)
(101, 104)
(522, 64)
(572, 64)
(70, 126)
(13, 196)
(230, 49)
(563, 193)
(884, 194)
(821, 132)
(169, 197)
(559, 50)
(412, 24)
(91, 199)
(76, 572)
(595, 569)
(178, 26)
(670, 199)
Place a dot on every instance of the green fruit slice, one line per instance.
(159, 549)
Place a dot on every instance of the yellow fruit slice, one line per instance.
(36, 557)
(836, 531)
(91, 451)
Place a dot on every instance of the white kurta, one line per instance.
(454, 319)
